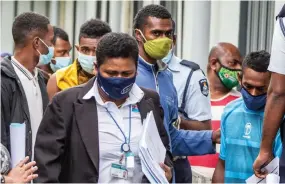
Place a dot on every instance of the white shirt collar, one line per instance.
(26, 72)
(174, 63)
(135, 95)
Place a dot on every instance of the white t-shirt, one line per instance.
(277, 60)
(33, 94)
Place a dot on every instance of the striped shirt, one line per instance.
(217, 108)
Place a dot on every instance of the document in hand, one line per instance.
(18, 142)
(271, 168)
(152, 151)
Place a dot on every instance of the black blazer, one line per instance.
(67, 145)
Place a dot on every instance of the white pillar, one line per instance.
(196, 29)
(103, 16)
(126, 24)
(53, 13)
(179, 23)
(7, 19)
(91, 9)
(115, 15)
(40, 7)
(24, 6)
(215, 23)
(278, 6)
(225, 22)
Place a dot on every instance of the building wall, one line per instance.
(200, 24)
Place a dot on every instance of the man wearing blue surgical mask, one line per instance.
(242, 122)
(82, 68)
(61, 57)
(23, 92)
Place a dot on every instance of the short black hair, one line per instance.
(257, 61)
(114, 45)
(94, 28)
(59, 33)
(152, 10)
(29, 24)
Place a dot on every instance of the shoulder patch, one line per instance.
(204, 87)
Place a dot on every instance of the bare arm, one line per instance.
(274, 112)
(195, 125)
(219, 174)
(52, 88)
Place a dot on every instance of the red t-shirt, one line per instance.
(217, 108)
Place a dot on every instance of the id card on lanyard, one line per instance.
(125, 167)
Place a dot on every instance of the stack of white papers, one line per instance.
(18, 142)
(152, 151)
(271, 168)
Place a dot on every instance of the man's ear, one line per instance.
(138, 35)
(213, 63)
(36, 43)
(239, 75)
(95, 69)
(174, 40)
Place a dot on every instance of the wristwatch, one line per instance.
(2, 179)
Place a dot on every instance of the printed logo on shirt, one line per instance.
(247, 130)
(127, 89)
(204, 87)
(135, 108)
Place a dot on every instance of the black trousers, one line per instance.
(183, 173)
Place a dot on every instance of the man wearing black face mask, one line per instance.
(23, 92)
(242, 123)
(88, 131)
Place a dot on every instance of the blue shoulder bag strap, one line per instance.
(193, 66)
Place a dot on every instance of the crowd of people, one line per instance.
(84, 118)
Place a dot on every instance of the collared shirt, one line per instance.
(241, 135)
(198, 105)
(33, 95)
(111, 138)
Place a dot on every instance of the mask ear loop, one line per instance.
(44, 44)
(141, 34)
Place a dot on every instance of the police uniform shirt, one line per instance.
(198, 105)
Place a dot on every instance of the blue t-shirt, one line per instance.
(241, 134)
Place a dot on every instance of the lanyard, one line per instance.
(126, 145)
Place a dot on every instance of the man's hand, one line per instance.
(167, 170)
(216, 136)
(262, 160)
(23, 173)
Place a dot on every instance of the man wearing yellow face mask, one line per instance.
(82, 68)
(154, 32)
